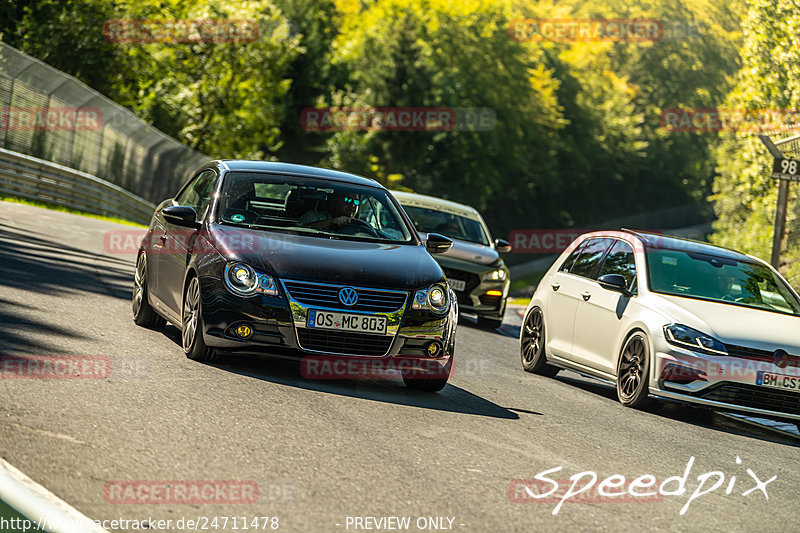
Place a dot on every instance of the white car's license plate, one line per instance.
(457, 284)
(346, 322)
(778, 381)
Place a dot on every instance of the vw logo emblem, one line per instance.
(780, 358)
(348, 296)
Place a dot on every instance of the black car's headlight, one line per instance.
(494, 275)
(686, 337)
(434, 298)
(244, 280)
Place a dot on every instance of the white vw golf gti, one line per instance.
(670, 318)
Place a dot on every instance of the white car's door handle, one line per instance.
(586, 295)
(556, 286)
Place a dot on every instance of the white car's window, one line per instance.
(590, 257)
(620, 260)
(724, 279)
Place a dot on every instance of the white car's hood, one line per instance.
(734, 324)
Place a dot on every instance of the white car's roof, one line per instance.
(436, 204)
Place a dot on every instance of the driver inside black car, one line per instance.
(342, 208)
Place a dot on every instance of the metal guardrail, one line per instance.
(32, 178)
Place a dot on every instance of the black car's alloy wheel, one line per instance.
(192, 322)
(532, 345)
(632, 371)
(143, 314)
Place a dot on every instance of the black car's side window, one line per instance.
(198, 193)
(620, 260)
(572, 257)
(587, 263)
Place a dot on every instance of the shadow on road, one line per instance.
(392, 390)
(35, 263)
(680, 412)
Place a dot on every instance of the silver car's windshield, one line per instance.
(447, 224)
(719, 278)
(310, 206)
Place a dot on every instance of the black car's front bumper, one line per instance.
(278, 327)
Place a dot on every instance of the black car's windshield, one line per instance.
(310, 206)
(719, 278)
(447, 224)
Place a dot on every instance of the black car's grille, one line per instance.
(756, 397)
(347, 343)
(470, 280)
(322, 295)
(752, 353)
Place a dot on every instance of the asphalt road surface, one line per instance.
(342, 455)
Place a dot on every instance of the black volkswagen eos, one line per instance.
(258, 257)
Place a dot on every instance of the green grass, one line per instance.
(518, 284)
(63, 209)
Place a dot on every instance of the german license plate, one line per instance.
(457, 284)
(346, 322)
(778, 381)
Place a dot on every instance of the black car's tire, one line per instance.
(531, 346)
(429, 384)
(192, 321)
(143, 313)
(633, 370)
(489, 323)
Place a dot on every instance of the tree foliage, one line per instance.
(577, 135)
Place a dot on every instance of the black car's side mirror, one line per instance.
(181, 215)
(614, 282)
(502, 246)
(437, 244)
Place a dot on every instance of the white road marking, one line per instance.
(39, 504)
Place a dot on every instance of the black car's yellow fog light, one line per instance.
(494, 293)
(434, 348)
(244, 331)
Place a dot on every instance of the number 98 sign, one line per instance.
(786, 169)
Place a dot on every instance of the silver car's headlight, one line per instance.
(243, 280)
(494, 275)
(686, 337)
(434, 298)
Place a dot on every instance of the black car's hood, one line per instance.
(307, 258)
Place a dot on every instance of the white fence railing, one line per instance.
(31, 178)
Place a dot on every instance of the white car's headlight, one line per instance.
(686, 337)
(243, 280)
(434, 298)
(494, 275)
